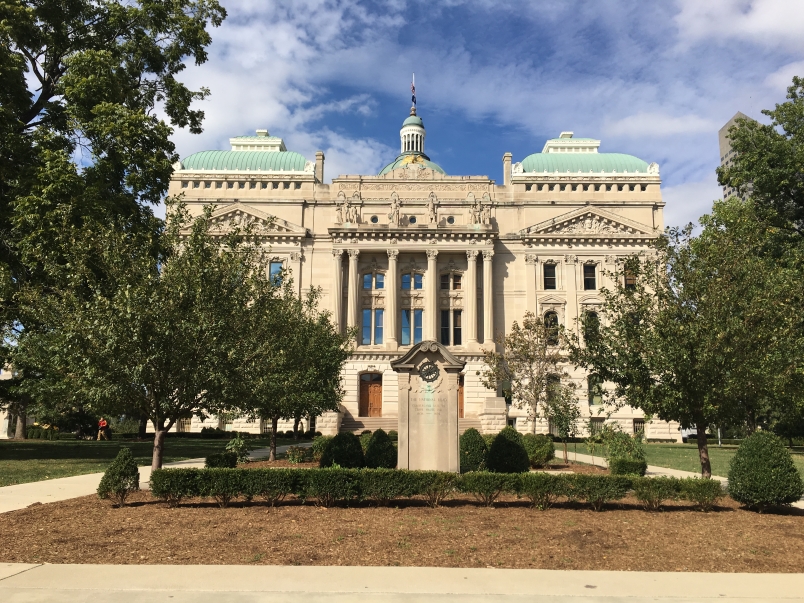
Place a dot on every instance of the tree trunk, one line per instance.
(159, 448)
(296, 421)
(703, 450)
(143, 427)
(22, 432)
(274, 427)
(565, 451)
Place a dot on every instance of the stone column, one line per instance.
(431, 304)
(353, 292)
(295, 266)
(337, 288)
(531, 261)
(392, 301)
(471, 297)
(488, 298)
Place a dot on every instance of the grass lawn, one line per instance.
(34, 460)
(685, 457)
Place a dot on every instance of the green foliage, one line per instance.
(385, 485)
(488, 438)
(507, 453)
(173, 485)
(653, 491)
(540, 449)
(703, 492)
(120, 479)
(542, 489)
(364, 438)
(380, 451)
(621, 466)
(297, 454)
(213, 433)
(331, 486)
(487, 487)
(240, 447)
(273, 485)
(473, 451)
(345, 451)
(435, 486)
(221, 460)
(320, 444)
(224, 485)
(617, 444)
(393, 435)
(762, 473)
(597, 490)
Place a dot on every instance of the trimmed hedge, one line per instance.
(345, 451)
(320, 444)
(380, 451)
(622, 466)
(507, 454)
(221, 460)
(120, 479)
(540, 449)
(762, 473)
(487, 487)
(653, 491)
(597, 490)
(473, 451)
(542, 489)
(703, 492)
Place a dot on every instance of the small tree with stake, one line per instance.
(562, 410)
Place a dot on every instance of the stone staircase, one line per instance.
(468, 423)
(360, 424)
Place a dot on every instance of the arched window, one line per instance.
(551, 325)
(591, 325)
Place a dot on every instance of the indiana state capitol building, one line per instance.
(414, 255)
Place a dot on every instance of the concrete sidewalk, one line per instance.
(313, 584)
(653, 471)
(52, 490)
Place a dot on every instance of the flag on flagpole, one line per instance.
(413, 89)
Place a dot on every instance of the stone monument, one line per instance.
(428, 408)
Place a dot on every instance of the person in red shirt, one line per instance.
(102, 427)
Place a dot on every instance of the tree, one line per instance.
(769, 162)
(155, 337)
(562, 410)
(709, 332)
(529, 367)
(289, 356)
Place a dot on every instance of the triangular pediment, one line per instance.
(589, 222)
(427, 350)
(239, 215)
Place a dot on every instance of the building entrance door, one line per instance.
(460, 396)
(371, 395)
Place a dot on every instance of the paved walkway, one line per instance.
(52, 490)
(653, 471)
(314, 584)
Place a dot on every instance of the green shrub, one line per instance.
(240, 447)
(221, 460)
(224, 485)
(345, 451)
(384, 485)
(653, 491)
(617, 444)
(297, 454)
(273, 485)
(173, 485)
(381, 452)
(213, 433)
(364, 438)
(762, 473)
(120, 479)
(435, 486)
(487, 487)
(627, 467)
(473, 451)
(319, 445)
(597, 489)
(507, 454)
(330, 486)
(542, 489)
(488, 438)
(703, 492)
(540, 449)
(393, 435)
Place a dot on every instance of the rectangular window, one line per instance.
(445, 281)
(218, 184)
(630, 281)
(639, 425)
(417, 281)
(378, 327)
(275, 272)
(596, 425)
(444, 327)
(589, 281)
(379, 281)
(456, 282)
(417, 326)
(406, 281)
(366, 338)
(367, 281)
(549, 276)
(405, 327)
(456, 327)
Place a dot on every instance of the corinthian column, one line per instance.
(470, 297)
(488, 298)
(337, 287)
(354, 283)
(530, 285)
(431, 306)
(392, 303)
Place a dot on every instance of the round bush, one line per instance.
(320, 444)
(540, 449)
(507, 454)
(120, 479)
(345, 451)
(380, 451)
(473, 451)
(762, 473)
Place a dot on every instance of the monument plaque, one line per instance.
(428, 408)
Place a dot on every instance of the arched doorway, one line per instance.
(460, 396)
(370, 395)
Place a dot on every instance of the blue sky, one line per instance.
(653, 79)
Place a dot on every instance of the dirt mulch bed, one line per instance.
(459, 534)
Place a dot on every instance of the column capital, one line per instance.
(531, 258)
(571, 259)
(471, 254)
(353, 253)
(432, 254)
(337, 253)
(295, 256)
(392, 253)
(488, 254)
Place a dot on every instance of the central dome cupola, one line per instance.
(412, 134)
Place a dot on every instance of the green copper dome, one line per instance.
(413, 120)
(241, 161)
(584, 163)
(411, 159)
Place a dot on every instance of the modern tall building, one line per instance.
(413, 254)
(726, 152)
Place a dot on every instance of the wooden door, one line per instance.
(370, 395)
(460, 396)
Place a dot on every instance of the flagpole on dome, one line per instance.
(413, 94)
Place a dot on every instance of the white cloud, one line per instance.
(658, 124)
(782, 78)
(688, 201)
